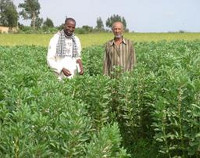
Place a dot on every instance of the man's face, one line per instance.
(69, 27)
(117, 30)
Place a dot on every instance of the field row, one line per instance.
(153, 111)
(94, 39)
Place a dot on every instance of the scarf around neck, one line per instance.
(61, 48)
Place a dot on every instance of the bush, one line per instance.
(154, 109)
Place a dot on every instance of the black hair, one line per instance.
(70, 19)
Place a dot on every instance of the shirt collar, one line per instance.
(112, 42)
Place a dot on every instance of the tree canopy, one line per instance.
(8, 13)
(48, 23)
(30, 10)
(100, 26)
(115, 18)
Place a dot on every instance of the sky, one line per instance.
(140, 15)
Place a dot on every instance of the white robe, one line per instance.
(57, 63)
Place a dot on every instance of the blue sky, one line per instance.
(140, 15)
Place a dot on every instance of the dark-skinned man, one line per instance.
(64, 52)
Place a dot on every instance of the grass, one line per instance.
(93, 39)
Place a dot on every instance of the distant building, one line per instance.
(5, 29)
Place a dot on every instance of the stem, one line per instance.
(164, 132)
(16, 147)
(179, 115)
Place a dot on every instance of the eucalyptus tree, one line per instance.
(30, 10)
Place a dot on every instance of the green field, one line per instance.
(153, 111)
(93, 39)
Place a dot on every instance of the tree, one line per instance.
(30, 10)
(8, 13)
(38, 22)
(84, 29)
(3, 17)
(115, 18)
(87, 28)
(48, 23)
(100, 26)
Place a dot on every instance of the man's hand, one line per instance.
(66, 72)
(81, 66)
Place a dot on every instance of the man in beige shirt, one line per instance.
(119, 54)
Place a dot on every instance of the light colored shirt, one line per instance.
(57, 63)
(121, 56)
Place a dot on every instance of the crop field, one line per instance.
(94, 39)
(153, 111)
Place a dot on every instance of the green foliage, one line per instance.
(115, 18)
(41, 117)
(93, 60)
(100, 26)
(106, 144)
(84, 29)
(153, 111)
(156, 101)
(29, 30)
(38, 22)
(95, 93)
(175, 91)
(48, 23)
(8, 13)
(30, 10)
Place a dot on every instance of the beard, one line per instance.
(68, 33)
(118, 36)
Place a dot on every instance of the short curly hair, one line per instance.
(70, 19)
